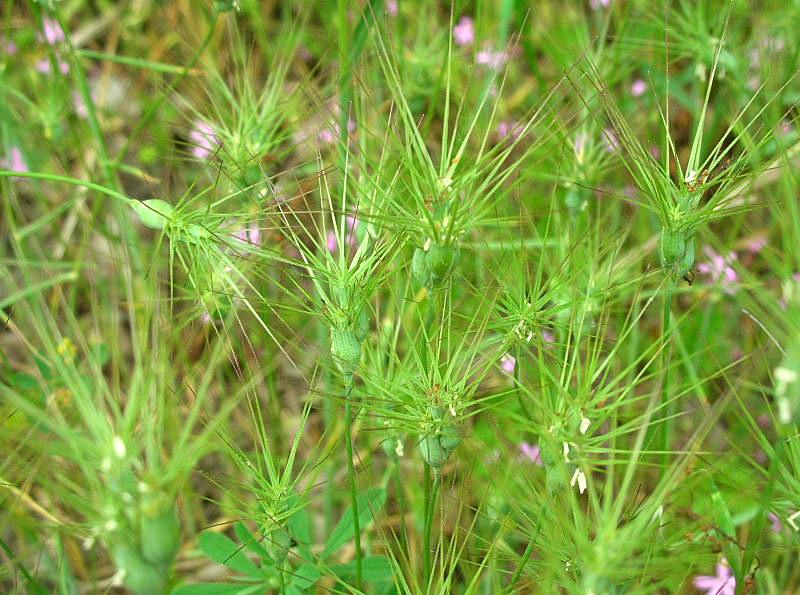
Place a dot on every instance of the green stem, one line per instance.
(282, 579)
(666, 405)
(351, 471)
(431, 491)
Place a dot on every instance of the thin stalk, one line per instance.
(351, 472)
(666, 335)
(431, 493)
(426, 535)
(282, 579)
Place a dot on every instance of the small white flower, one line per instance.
(119, 578)
(427, 245)
(399, 450)
(579, 477)
(792, 518)
(119, 447)
(585, 423)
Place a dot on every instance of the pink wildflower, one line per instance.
(15, 162)
(638, 88)
(491, 59)
(719, 269)
(756, 245)
(80, 106)
(721, 584)
(776, 522)
(532, 452)
(203, 140)
(508, 363)
(611, 140)
(52, 31)
(391, 8)
(464, 31)
(251, 234)
(8, 46)
(328, 136)
(508, 128)
(45, 67)
(598, 4)
(332, 241)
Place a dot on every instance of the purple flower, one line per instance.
(719, 269)
(721, 584)
(638, 87)
(8, 46)
(611, 140)
(598, 4)
(391, 8)
(52, 32)
(332, 241)
(203, 140)
(251, 235)
(328, 136)
(756, 245)
(15, 162)
(776, 522)
(508, 363)
(80, 106)
(464, 31)
(532, 452)
(45, 67)
(491, 59)
(548, 336)
(508, 128)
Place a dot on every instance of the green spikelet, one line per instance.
(437, 446)
(346, 352)
(278, 544)
(160, 530)
(432, 267)
(676, 249)
(141, 577)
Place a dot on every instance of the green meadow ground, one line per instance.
(404, 296)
